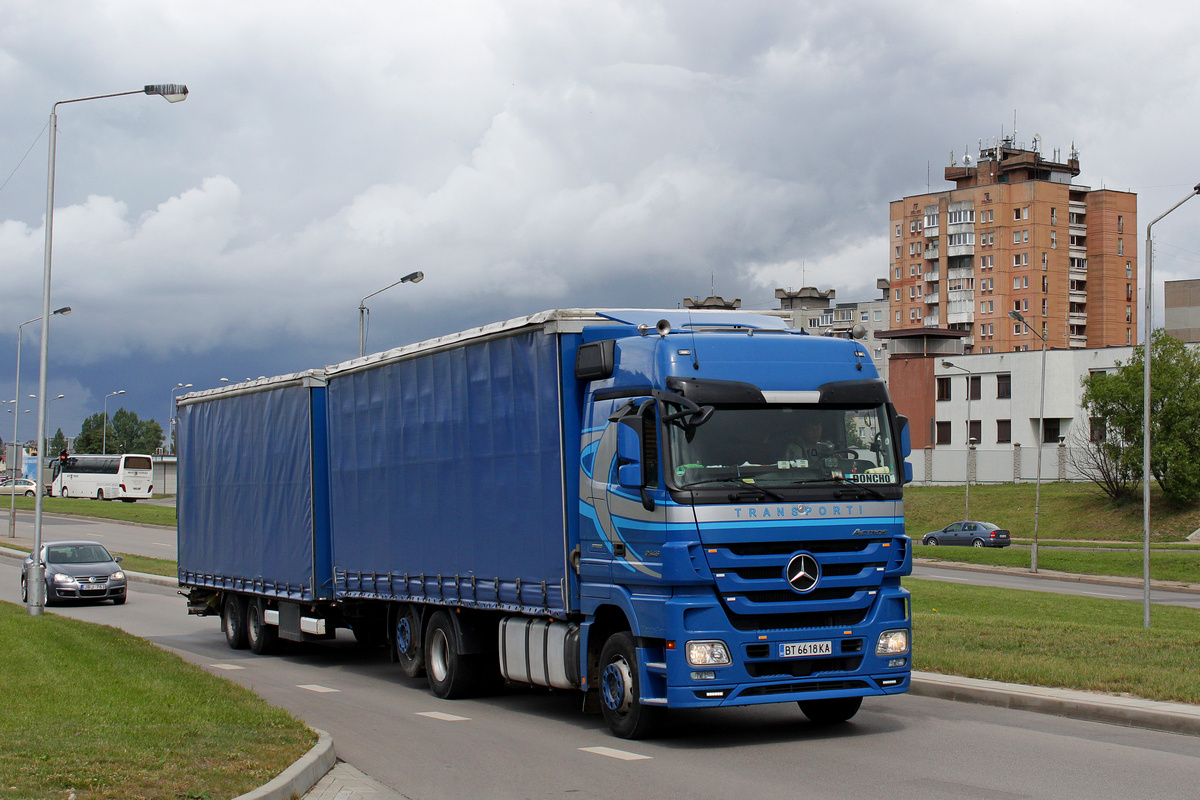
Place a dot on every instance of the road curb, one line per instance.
(300, 777)
(1128, 711)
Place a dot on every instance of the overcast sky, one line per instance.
(525, 156)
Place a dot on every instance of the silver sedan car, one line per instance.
(78, 570)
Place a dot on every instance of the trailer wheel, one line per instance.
(409, 652)
(263, 638)
(450, 673)
(233, 621)
(620, 692)
(831, 711)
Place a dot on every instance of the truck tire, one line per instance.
(409, 651)
(831, 711)
(263, 638)
(450, 673)
(233, 621)
(620, 692)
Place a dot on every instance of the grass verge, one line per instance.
(1055, 640)
(1165, 565)
(144, 513)
(1069, 511)
(108, 715)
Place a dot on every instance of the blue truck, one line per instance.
(658, 509)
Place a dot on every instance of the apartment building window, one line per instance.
(1044, 309)
(897, 313)
(960, 215)
(1097, 429)
(1025, 304)
(898, 300)
(1016, 237)
(897, 252)
(912, 272)
(1129, 293)
(974, 384)
(1024, 281)
(866, 317)
(1120, 247)
(1129, 274)
(879, 353)
(991, 328)
(897, 231)
(974, 431)
(1051, 429)
(992, 240)
(1054, 243)
(1003, 431)
(1054, 220)
(1016, 215)
(1016, 281)
(1129, 337)
(942, 433)
(1121, 227)
(913, 315)
(1016, 329)
(1004, 386)
(1045, 262)
(879, 318)
(1129, 317)
(912, 292)
(1046, 286)
(943, 388)
(897, 273)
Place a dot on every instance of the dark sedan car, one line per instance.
(967, 532)
(79, 571)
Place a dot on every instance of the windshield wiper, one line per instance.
(756, 490)
(843, 482)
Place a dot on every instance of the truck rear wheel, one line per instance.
(450, 673)
(233, 621)
(409, 651)
(831, 711)
(620, 691)
(263, 638)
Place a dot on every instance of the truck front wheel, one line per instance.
(831, 711)
(409, 651)
(620, 691)
(233, 621)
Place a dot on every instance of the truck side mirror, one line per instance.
(905, 447)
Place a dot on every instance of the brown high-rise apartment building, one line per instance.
(1016, 234)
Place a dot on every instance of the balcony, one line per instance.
(931, 299)
(932, 276)
(931, 253)
(931, 321)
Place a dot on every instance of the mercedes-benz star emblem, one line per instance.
(803, 572)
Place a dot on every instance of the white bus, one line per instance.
(110, 477)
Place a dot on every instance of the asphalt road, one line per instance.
(527, 744)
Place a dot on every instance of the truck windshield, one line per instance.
(783, 446)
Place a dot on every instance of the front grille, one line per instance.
(753, 587)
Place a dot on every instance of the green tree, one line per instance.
(126, 434)
(58, 443)
(1114, 403)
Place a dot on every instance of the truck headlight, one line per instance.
(707, 654)
(892, 643)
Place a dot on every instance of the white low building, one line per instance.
(995, 398)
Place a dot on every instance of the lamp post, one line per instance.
(104, 436)
(172, 92)
(171, 419)
(12, 510)
(412, 277)
(1037, 492)
(1148, 329)
(949, 365)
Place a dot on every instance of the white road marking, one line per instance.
(1102, 594)
(162, 544)
(312, 687)
(444, 717)
(619, 754)
(226, 666)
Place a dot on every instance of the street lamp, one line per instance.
(12, 511)
(1149, 328)
(949, 365)
(1037, 492)
(412, 277)
(172, 92)
(104, 436)
(171, 415)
